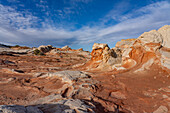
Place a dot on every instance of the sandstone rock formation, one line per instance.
(19, 109)
(132, 77)
(165, 33)
(45, 49)
(103, 56)
(149, 48)
(66, 48)
(74, 85)
(63, 106)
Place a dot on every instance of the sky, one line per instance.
(79, 23)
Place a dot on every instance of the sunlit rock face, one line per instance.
(165, 33)
(149, 48)
(102, 57)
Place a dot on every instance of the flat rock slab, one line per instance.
(68, 106)
(68, 76)
(63, 106)
(18, 109)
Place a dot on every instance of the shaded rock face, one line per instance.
(63, 106)
(103, 56)
(45, 49)
(19, 109)
(3, 46)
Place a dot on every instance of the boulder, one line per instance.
(45, 49)
(19, 109)
(66, 47)
(151, 37)
(104, 57)
(99, 46)
(165, 33)
(81, 49)
(125, 43)
(161, 109)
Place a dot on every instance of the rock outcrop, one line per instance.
(19, 109)
(149, 48)
(65, 80)
(4, 46)
(103, 56)
(165, 33)
(74, 84)
(45, 49)
(66, 48)
(63, 106)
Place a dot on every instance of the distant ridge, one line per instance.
(4, 46)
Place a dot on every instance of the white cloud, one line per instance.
(152, 16)
(9, 17)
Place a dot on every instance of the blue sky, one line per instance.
(79, 23)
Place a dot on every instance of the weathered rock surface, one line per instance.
(103, 57)
(19, 109)
(63, 106)
(76, 84)
(12, 51)
(150, 46)
(68, 76)
(66, 48)
(161, 109)
(45, 49)
(68, 106)
(165, 32)
(132, 77)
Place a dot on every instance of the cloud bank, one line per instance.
(18, 27)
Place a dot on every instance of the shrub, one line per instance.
(16, 46)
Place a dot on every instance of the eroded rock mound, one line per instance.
(45, 49)
(103, 56)
(148, 49)
(66, 48)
